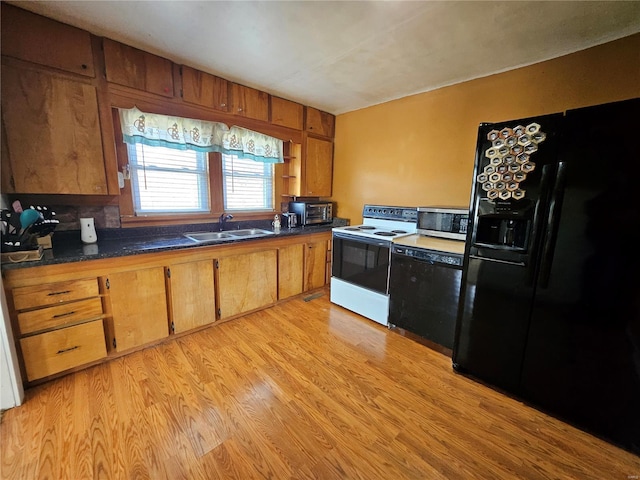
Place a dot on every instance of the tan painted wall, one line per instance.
(419, 150)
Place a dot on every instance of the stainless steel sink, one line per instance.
(202, 237)
(250, 232)
(211, 237)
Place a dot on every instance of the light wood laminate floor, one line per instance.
(301, 390)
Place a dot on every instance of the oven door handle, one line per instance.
(368, 241)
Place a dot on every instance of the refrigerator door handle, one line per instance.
(538, 218)
(555, 206)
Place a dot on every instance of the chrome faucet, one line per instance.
(223, 218)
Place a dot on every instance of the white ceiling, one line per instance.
(343, 56)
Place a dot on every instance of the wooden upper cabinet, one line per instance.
(286, 113)
(40, 40)
(137, 69)
(318, 168)
(52, 131)
(249, 102)
(203, 89)
(319, 123)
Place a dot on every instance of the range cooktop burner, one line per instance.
(385, 234)
(352, 229)
(366, 227)
(399, 231)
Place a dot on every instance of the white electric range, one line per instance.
(361, 259)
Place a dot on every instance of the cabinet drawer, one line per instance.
(59, 350)
(59, 315)
(52, 293)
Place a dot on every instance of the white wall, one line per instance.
(11, 391)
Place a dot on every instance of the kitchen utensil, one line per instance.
(28, 217)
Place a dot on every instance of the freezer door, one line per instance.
(493, 321)
(582, 360)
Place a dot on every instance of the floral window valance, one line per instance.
(200, 135)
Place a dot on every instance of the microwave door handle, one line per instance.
(553, 222)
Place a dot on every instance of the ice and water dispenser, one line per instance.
(505, 232)
(503, 225)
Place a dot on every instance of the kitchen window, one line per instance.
(167, 180)
(247, 184)
(189, 166)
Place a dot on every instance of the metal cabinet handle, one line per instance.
(58, 293)
(64, 314)
(67, 349)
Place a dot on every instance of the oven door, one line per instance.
(361, 261)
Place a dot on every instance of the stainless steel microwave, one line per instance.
(445, 222)
(312, 213)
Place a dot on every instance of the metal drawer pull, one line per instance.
(58, 293)
(64, 314)
(67, 350)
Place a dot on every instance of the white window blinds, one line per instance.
(166, 180)
(248, 185)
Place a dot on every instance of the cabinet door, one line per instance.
(204, 89)
(53, 134)
(192, 295)
(138, 69)
(247, 282)
(249, 102)
(315, 265)
(38, 39)
(290, 270)
(319, 123)
(138, 307)
(286, 113)
(318, 167)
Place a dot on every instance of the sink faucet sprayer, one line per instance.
(223, 218)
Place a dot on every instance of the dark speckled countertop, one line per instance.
(121, 242)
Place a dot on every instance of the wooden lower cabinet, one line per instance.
(191, 295)
(315, 265)
(65, 317)
(247, 282)
(290, 270)
(138, 307)
(59, 350)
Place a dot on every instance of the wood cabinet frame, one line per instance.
(101, 269)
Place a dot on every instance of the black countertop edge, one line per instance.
(119, 242)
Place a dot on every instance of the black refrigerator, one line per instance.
(550, 298)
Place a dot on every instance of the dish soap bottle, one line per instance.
(276, 224)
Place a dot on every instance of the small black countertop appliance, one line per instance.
(312, 212)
